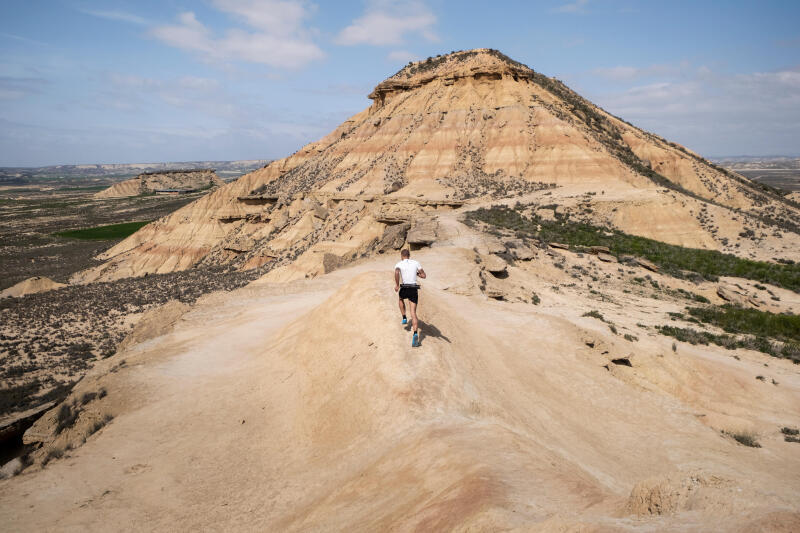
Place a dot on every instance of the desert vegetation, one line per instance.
(674, 260)
(104, 233)
(49, 340)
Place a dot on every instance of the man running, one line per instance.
(405, 285)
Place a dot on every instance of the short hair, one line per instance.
(405, 253)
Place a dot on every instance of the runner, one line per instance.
(405, 285)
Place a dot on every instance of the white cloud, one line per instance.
(386, 23)
(277, 36)
(120, 16)
(578, 7)
(627, 73)
(402, 56)
(717, 113)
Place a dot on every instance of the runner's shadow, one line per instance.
(426, 329)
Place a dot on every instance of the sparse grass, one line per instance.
(730, 342)
(630, 338)
(673, 260)
(733, 319)
(745, 438)
(66, 416)
(97, 425)
(52, 453)
(104, 233)
(594, 314)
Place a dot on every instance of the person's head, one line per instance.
(404, 253)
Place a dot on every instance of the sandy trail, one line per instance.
(302, 407)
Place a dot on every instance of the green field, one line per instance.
(104, 233)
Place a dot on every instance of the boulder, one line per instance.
(729, 294)
(522, 253)
(495, 264)
(393, 237)
(422, 232)
(491, 245)
(644, 263)
(599, 249)
(559, 245)
(606, 258)
(320, 212)
(239, 244)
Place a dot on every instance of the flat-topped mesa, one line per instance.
(164, 181)
(179, 171)
(472, 126)
(478, 63)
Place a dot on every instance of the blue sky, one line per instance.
(85, 81)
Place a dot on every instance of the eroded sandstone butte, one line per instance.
(168, 180)
(471, 126)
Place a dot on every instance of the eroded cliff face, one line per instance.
(469, 127)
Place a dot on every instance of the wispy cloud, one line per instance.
(627, 73)
(119, 16)
(12, 88)
(386, 23)
(276, 34)
(743, 112)
(21, 39)
(578, 7)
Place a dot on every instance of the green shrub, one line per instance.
(674, 260)
(744, 437)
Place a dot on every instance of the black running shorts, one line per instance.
(409, 293)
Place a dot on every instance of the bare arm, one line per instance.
(396, 279)
(421, 273)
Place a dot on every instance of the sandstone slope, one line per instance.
(301, 407)
(466, 127)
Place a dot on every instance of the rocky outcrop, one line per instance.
(169, 181)
(31, 286)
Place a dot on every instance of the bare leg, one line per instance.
(402, 307)
(413, 307)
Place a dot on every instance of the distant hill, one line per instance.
(781, 172)
(759, 162)
(34, 175)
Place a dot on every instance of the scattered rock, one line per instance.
(320, 212)
(522, 253)
(422, 232)
(729, 294)
(393, 237)
(599, 249)
(644, 263)
(495, 265)
(492, 245)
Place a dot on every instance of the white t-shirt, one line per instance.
(408, 271)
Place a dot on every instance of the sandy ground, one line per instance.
(302, 407)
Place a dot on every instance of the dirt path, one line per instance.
(302, 407)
